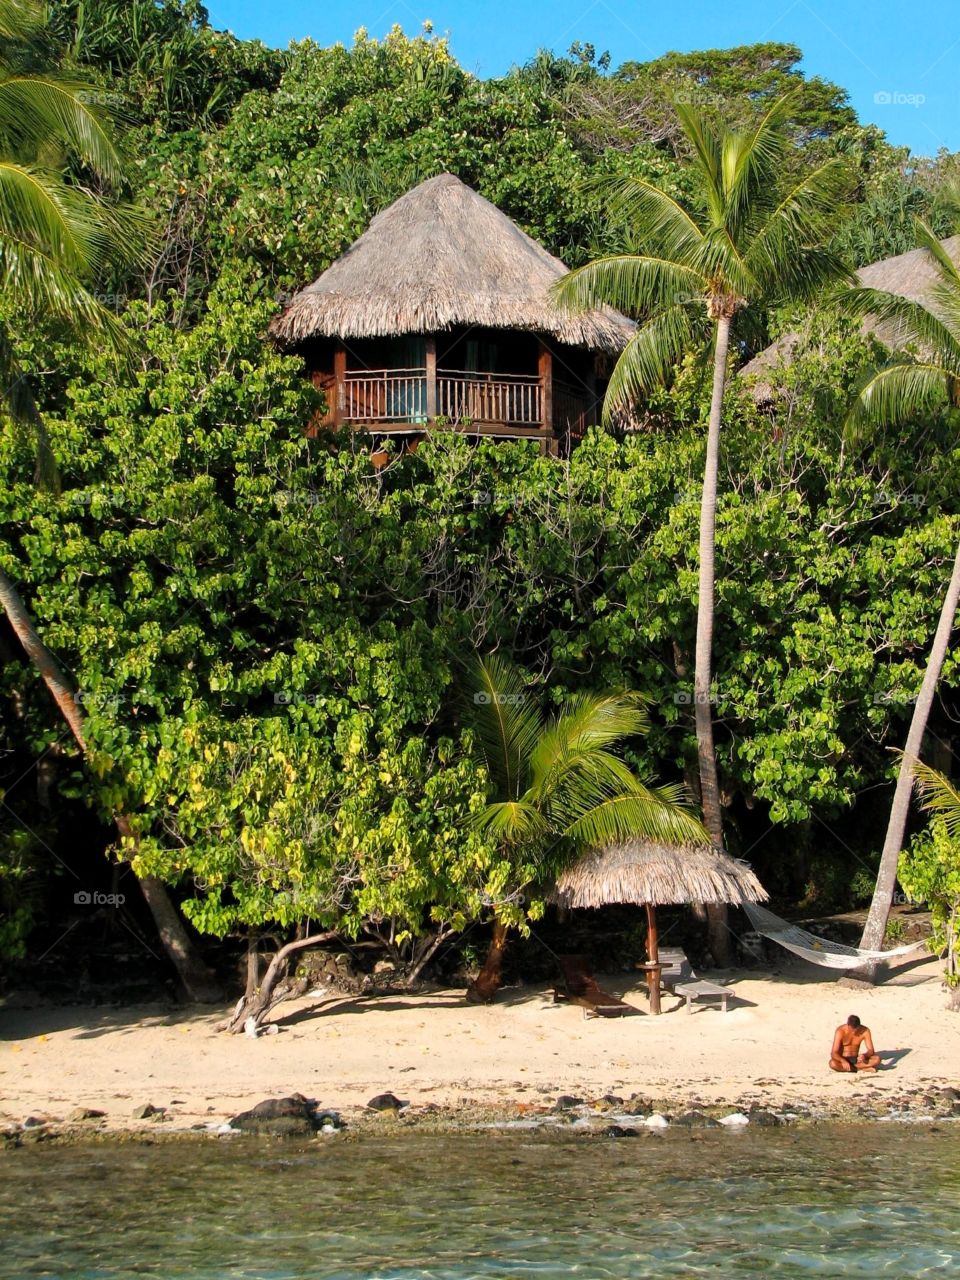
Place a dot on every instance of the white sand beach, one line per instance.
(771, 1047)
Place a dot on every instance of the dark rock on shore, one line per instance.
(765, 1119)
(696, 1120)
(148, 1112)
(619, 1131)
(293, 1117)
(386, 1102)
(566, 1102)
(85, 1113)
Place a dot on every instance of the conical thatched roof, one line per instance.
(440, 256)
(911, 275)
(644, 871)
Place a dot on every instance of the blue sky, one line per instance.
(899, 59)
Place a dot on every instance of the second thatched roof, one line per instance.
(643, 871)
(442, 256)
(911, 275)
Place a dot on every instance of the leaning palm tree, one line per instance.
(748, 242)
(559, 786)
(904, 386)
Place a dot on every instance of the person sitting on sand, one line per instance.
(853, 1047)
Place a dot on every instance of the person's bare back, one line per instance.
(853, 1047)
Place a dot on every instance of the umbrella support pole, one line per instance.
(653, 966)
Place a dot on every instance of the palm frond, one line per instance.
(507, 722)
(783, 251)
(41, 286)
(927, 239)
(628, 282)
(911, 319)
(720, 262)
(752, 161)
(659, 223)
(650, 358)
(36, 109)
(939, 796)
(38, 209)
(20, 23)
(655, 812)
(708, 147)
(896, 392)
(514, 822)
(589, 720)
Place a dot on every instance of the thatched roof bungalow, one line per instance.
(911, 275)
(441, 312)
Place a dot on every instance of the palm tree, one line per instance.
(747, 242)
(56, 238)
(559, 786)
(902, 387)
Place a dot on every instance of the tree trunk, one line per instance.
(253, 965)
(876, 925)
(198, 980)
(487, 982)
(424, 957)
(259, 1005)
(703, 674)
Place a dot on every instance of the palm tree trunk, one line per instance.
(876, 925)
(198, 981)
(703, 659)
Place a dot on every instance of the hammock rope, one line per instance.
(822, 951)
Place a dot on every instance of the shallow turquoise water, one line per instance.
(882, 1200)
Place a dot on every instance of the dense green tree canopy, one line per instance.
(269, 634)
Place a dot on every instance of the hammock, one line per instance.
(833, 955)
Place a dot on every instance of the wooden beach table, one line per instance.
(702, 990)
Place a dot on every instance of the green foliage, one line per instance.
(751, 237)
(164, 62)
(739, 85)
(20, 881)
(61, 228)
(560, 786)
(268, 635)
(930, 872)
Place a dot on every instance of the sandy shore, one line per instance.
(524, 1051)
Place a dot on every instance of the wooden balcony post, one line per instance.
(339, 383)
(431, 379)
(545, 371)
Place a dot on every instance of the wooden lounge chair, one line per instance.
(675, 967)
(702, 989)
(580, 986)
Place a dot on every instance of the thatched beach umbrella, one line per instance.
(443, 256)
(651, 874)
(912, 275)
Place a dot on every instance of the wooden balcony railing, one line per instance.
(511, 400)
(401, 397)
(384, 395)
